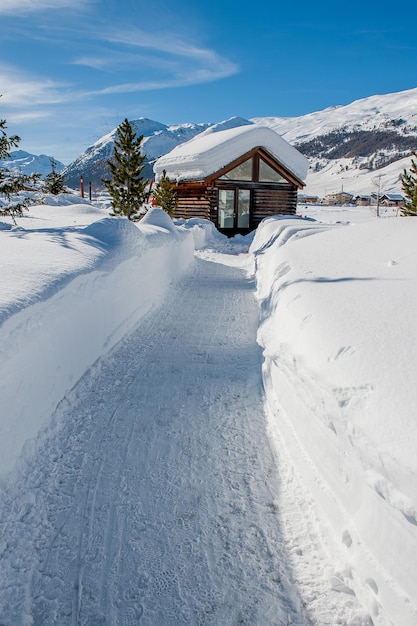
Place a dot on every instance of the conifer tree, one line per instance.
(409, 184)
(12, 184)
(165, 195)
(54, 181)
(127, 187)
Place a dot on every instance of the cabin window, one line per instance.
(269, 175)
(240, 172)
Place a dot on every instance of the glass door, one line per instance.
(243, 208)
(226, 208)
(234, 209)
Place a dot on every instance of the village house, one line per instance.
(392, 199)
(340, 197)
(387, 199)
(362, 200)
(235, 177)
(308, 199)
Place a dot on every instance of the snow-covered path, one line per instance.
(157, 501)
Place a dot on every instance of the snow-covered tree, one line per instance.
(409, 184)
(13, 200)
(127, 186)
(54, 181)
(165, 195)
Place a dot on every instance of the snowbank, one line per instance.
(68, 294)
(203, 231)
(338, 307)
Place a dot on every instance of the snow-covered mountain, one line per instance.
(357, 146)
(353, 147)
(158, 139)
(27, 163)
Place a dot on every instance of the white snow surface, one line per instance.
(196, 430)
(68, 293)
(209, 151)
(366, 113)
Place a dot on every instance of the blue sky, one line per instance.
(72, 70)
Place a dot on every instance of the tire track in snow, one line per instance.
(157, 501)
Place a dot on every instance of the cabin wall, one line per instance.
(268, 201)
(201, 201)
(194, 201)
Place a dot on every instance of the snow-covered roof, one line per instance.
(208, 153)
(394, 196)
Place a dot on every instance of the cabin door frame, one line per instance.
(234, 209)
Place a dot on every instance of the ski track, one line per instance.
(156, 499)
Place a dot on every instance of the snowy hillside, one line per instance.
(27, 163)
(350, 146)
(395, 110)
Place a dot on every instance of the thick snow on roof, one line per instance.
(207, 153)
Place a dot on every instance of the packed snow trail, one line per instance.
(156, 502)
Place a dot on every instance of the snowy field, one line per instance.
(197, 430)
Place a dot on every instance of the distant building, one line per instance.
(392, 199)
(235, 177)
(362, 200)
(341, 197)
(387, 199)
(308, 199)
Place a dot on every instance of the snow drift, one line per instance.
(338, 304)
(87, 287)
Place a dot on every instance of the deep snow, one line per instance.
(143, 479)
(339, 374)
(210, 151)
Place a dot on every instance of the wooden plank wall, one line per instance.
(201, 202)
(193, 201)
(270, 202)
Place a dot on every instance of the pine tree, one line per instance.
(165, 195)
(409, 184)
(127, 187)
(12, 202)
(54, 181)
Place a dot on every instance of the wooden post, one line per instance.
(90, 190)
(150, 190)
(82, 186)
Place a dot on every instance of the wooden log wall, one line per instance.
(193, 201)
(199, 201)
(268, 202)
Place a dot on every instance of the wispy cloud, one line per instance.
(16, 7)
(28, 116)
(195, 78)
(179, 62)
(23, 89)
(161, 42)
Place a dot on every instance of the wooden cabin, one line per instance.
(235, 177)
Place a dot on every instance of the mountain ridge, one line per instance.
(348, 146)
(358, 146)
(27, 163)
